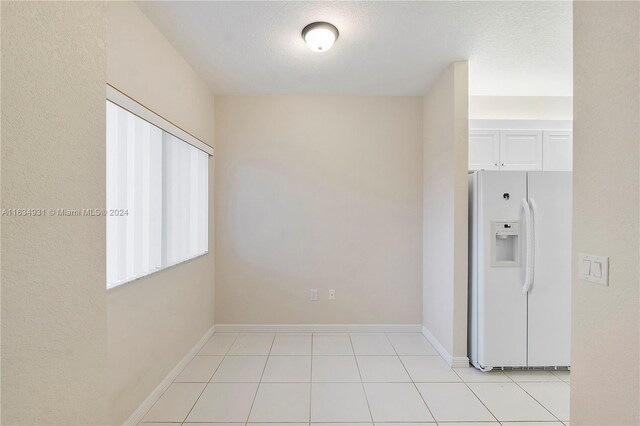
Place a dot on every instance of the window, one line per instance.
(157, 195)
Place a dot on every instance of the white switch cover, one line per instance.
(585, 267)
(332, 295)
(313, 294)
(594, 269)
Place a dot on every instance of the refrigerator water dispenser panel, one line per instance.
(505, 244)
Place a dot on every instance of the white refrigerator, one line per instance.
(520, 269)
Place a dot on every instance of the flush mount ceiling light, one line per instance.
(320, 36)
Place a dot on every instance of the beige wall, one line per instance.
(445, 188)
(521, 107)
(153, 322)
(605, 375)
(142, 63)
(318, 192)
(53, 268)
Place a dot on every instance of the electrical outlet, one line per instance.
(332, 295)
(313, 294)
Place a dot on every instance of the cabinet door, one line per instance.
(484, 149)
(557, 150)
(520, 150)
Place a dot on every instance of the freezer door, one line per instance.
(549, 299)
(501, 305)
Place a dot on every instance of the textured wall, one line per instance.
(521, 107)
(154, 321)
(445, 211)
(318, 192)
(53, 268)
(605, 375)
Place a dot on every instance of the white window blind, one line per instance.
(157, 198)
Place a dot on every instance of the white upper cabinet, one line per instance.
(520, 150)
(504, 145)
(557, 150)
(484, 150)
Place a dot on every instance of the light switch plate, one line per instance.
(591, 265)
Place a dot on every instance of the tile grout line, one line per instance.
(218, 367)
(541, 404)
(174, 381)
(227, 355)
(413, 382)
(474, 394)
(364, 390)
(560, 377)
(518, 384)
(264, 367)
(210, 378)
(481, 401)
(513, 381)
(269, 354)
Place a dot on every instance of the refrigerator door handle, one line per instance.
(528, 277)
(534, 248)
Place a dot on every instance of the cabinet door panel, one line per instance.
(520, 150)
(484, 149)
(557, 150)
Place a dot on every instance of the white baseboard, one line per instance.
(146, 405)
(318, 328)
(453, 361)
(460, 362)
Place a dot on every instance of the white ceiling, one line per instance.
(384, 48)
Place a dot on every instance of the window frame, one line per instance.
(130, 105)
(123, 101)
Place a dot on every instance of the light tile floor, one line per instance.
(357, 379)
